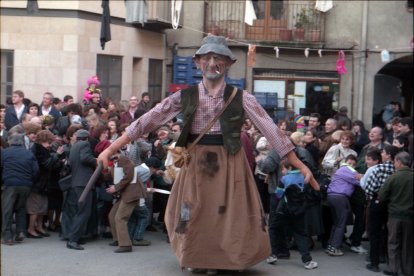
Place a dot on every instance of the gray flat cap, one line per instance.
(215, 44)
(82, 133)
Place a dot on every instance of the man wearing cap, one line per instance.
(214, 216)
(82, 164)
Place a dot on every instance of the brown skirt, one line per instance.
(36, 204)
(214, 216)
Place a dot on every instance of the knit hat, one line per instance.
(217, 45)
(299, 119)
(82, 133)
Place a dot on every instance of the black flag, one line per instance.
(105, 24)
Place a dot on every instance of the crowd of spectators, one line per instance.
(357, 169)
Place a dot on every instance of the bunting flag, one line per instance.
(251, 55)
(306, 52)
(105, 24)
(277, 51)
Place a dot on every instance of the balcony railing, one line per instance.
(276, 21)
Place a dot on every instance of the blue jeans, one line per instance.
(138, 222)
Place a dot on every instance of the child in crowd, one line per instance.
(291, 211)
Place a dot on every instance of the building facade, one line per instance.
(308, 81)
(56, 47)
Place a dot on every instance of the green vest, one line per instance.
(231, 120)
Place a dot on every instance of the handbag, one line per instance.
(181, 155)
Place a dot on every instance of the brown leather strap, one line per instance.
(233, 94)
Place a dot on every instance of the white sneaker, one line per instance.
(272, 259)
(311, 265)
(359, 249)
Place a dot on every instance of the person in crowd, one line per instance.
(128, 116)
(113, 125)
(406, 129)
(376, 138)
(193, 222)
(397, 195)
(341, 188)
(296, 138)
(69, 205)
(54, 193)
(145, 103)
(15, 111)
(48, 122)
(311, 142)
(314, 122)
(31, 129)
(97, 100)
(34, 109)
(338, 152)
(358, 198)
(282, 125)
(113, 110)
(130, 190)
(270, 165)
(63, 123)
(377, 212)
(2, 112)
(19, 169)
(94, 122)
(261, 178)
(37, 202)
(394, 130)
(291, 211)
(57, 103)
(93, 85)
(47, 108)
(300, 123)
(161, 143)
(342, 118)
(139, 218)
(326, 142)
(67, 100)
(171, 171)
(401, 142)
(372, 159)
(361, 135)
(83, 164)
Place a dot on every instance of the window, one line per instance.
(6, 74)
(109, 71)
(298, 92)
(155, 79)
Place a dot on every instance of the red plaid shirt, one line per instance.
(208, 107)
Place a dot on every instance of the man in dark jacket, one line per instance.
(397, 194)
(18, 172)
(82, 163)
(15, 111)
(47, 107)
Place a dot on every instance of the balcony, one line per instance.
(277, 21)
(158, 15)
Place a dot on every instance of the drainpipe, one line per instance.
(362, 61)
